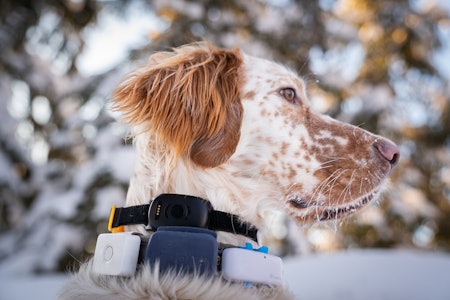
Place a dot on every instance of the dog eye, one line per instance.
(288, 94)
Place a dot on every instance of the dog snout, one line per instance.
(388, 151)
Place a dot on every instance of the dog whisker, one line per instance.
(239, 131)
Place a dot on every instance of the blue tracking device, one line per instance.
(183, 249)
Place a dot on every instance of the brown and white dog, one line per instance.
(239, 131)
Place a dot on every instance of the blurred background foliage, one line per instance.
(382, 65)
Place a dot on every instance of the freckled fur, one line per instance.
(272, 143)
(212, 123)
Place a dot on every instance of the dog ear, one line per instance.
(189, 99)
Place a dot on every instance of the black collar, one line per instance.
(180, 210)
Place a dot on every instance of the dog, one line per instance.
(238, 131)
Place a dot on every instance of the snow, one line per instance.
(370, 274)
(31, 287)
(442, 53)
(108, 43)
(339, 65)
(346, 275)
(39, 250)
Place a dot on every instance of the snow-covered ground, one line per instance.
(45, 287)
(370, 274)
(350, 275)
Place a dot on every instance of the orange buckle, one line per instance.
(110, 222)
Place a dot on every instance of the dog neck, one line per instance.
(156, 173)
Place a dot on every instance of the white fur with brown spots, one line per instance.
(239, 131)
(287, 157)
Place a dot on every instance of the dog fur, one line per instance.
(239, 131)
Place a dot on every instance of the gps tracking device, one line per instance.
(184, 241)
(179, 210)
(183, 249)
(116, 254)
(250, 266)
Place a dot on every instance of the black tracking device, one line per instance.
(179, 210)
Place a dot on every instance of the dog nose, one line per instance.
(388, 151)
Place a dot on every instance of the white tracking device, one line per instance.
(116, 254)
(252, 266)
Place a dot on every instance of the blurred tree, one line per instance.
(53, 165)
(377, 64)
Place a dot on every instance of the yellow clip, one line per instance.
(111, 219)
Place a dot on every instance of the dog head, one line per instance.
(325, 169)
(249, 120)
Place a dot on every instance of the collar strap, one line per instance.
(179, 210)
